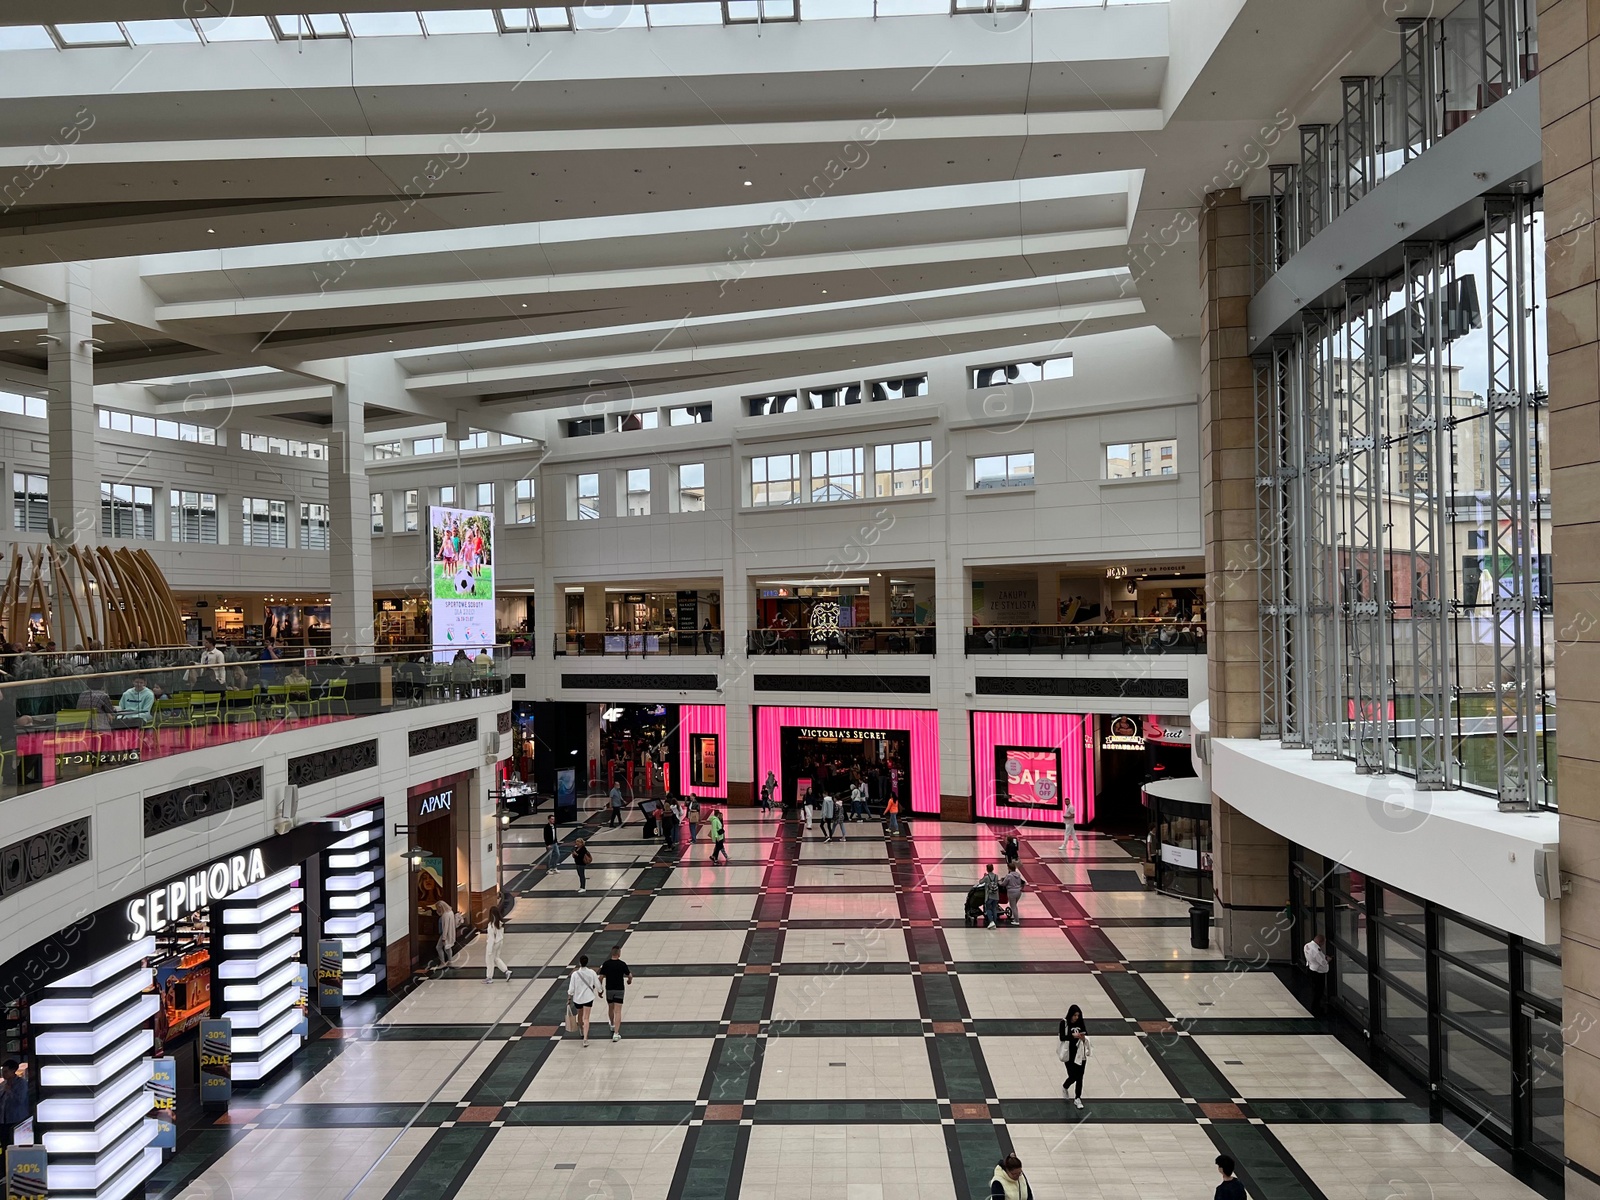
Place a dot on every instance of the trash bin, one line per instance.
(1199, 926)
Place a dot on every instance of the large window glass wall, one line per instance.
(1471, 1012)
(1404, 504)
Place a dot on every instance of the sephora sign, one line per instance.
(187, 894)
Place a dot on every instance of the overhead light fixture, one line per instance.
(747, 183)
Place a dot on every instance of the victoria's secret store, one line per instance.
(106, 1015)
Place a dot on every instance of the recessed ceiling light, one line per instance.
(747, 183)
(211, 231)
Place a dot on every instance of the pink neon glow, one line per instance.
(921, 724)
(703, 718)
(1065, 730)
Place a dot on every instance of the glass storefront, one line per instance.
(1469, 1011)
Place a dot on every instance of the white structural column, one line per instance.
(74, 467)
(350, 516)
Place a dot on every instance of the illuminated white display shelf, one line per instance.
(93, 1045)
(352, 901)
(262, 944)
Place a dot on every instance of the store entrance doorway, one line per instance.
(830, 760)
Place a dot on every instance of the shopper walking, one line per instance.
(494, 937)
(616, 805)
(694, 818)
(858, 801)
(581, 858)
(891, 809)
(1069, 826)
(1012, 851)
(1316, 952)
(719, 836)
(827, 816)
(1230, 1188)
(617, 976)
(991, 898)
(583, 989)
(1009, 1183)
(766, 796)
(1073, 1051)
(1013, 885)
(805, 810)
(448, 930)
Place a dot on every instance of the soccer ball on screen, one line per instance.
(465, 584)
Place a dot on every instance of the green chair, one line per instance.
(171, 713)
(334, 693)
(240, 707)
(278, 701)
(205, 708)
(73, 720)
(300, 701)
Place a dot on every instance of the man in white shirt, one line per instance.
(1317, 963)
(212, 662)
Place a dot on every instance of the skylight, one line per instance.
(596, 15)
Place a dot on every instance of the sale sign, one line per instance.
(1028, 776)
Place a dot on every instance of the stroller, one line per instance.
(972, 910)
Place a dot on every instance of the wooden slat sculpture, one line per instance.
(118, 598)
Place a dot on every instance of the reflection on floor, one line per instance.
(817, 1022)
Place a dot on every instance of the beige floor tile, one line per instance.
(312, 1164)
(632, 1069)
(576, 1162)
(886, 1068)
(1354, 1162)
(1231, 993)
(841, 996)
(1029, 996)
(646, 947)
(1292, 1066)
(399, 1071)
(885, 942)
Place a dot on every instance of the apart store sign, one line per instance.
(187, 894)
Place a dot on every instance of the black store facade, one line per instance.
(92, 1010)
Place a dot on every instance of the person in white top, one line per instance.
(1317, 963)
(212, 661)
(494, 936)
(583, 989)
(1069, 826)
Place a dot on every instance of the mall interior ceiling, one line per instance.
(517, 219)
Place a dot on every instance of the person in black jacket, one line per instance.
(1074, 1030)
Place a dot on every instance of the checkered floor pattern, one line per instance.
(817, 1020)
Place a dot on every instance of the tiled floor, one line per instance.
(802, 1028)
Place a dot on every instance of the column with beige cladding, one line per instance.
(1569, 95)
(1251, 863)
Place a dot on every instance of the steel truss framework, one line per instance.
(1389, 120)
(1356, 504)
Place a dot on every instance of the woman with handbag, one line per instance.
(583, 989)
(1009, 1183)
(1073, 1052)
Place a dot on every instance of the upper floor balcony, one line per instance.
(846, 640)
(64, 716)
(1182, 636)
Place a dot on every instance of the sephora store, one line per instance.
(129, 1020)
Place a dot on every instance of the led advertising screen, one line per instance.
(461, 569)
(1028, 776)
